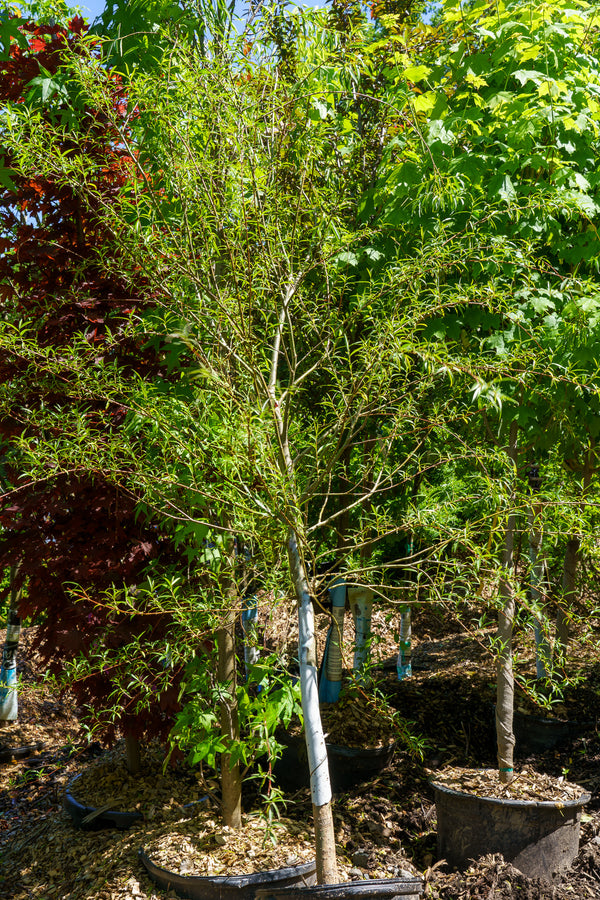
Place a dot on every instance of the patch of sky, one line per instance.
(91, 9)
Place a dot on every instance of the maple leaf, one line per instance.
(37, 44)
(77, 25)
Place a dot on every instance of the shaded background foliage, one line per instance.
(75, 526)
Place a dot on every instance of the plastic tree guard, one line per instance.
(331, 678)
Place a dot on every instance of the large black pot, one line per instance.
(373, 889)
(227, 887)
(90, 818)
(348, 766)
(540, 838)
(534, 734)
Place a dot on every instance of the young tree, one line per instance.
(504, 100)
(74, 526)
(291, 330)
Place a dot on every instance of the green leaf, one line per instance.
(48, 85)
(438, 132)
(425, 102)
(541, 304)
(9, 31)
(5, 179)
(347, 259)
(321, 108)
(416, 73)
(525, 75)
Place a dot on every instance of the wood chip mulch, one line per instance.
(527, 784)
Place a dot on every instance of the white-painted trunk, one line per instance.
(320, 785)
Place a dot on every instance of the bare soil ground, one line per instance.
(387, 824)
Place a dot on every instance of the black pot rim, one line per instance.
(382, 886)
(109, 818)
(363, 752)
(511, 802)
(236, 881)
(343, 749)
(546, 720)
(7, 754)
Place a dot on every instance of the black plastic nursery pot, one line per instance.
(9, 754)
(348, 766)
(534, 734)
(90, 818)
(228, 887)
(540, 838)
(372, 889)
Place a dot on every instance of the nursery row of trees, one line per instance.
(283, 299)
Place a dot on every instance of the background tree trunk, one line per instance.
(569, 578)
(536, 578)
(505, 685)
(563, 618)
(231, 782)
(133, 756)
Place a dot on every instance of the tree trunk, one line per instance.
(404, 661)
(569, 579)
(9, 703)
(568, 596)
(320, 785)
(231, 782)
(536, 577)
(133, 756)
(250, 629)
(327, 871)
(343, 521)
(505, 678)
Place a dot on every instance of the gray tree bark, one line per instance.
(231, 782)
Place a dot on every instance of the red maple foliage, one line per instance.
(76, 527)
